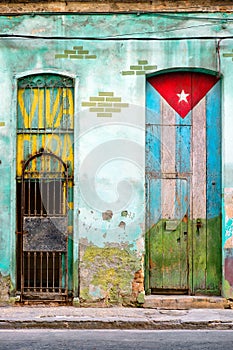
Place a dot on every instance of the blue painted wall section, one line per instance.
(103, 53)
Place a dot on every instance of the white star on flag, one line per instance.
(182, 96)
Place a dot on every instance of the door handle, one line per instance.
(198, 225)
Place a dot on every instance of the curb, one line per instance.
(116, 324)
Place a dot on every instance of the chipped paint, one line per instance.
(5, 288)
(107, 245)
(110, 281)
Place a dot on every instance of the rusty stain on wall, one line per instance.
(107, 215)
(122, 225)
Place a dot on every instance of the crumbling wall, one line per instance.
(5, 286)
(110, 274)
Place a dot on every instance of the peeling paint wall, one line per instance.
(109, 56)
(106, 274)
(5, 288)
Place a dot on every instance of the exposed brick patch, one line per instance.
(141, 68)
(138, 283)
(4, 288)
(105, 104)
(77, 53)
(229, 54)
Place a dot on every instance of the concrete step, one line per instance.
(185, 302)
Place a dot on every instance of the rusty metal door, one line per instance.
(183, 172)
(45, 187)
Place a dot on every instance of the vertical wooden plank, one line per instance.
(168, 159)
(182, 205)
(153, 131)
(183, 150)
(153, 110)
(199, 195)
(213, 223)
(153, 170)
(199, 160)
(168, 189)
(155, 234)
(168, 139)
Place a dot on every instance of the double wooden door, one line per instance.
(183, 174)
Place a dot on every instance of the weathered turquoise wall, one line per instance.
(109, 56)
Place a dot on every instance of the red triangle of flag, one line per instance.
(183, 90)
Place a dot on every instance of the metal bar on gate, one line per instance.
(22, 262)
(60, 197)
(47, 271)
(41, 196)
(29, 201)
(64, 196)
(34, 269)
(60, 272)
(28, 257)
(35, 194)
(41, 271)
(53, 270)
(47, 199)
(66, 262)
(54, 197)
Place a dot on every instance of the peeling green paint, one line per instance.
(203, 256)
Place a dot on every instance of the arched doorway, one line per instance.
(45, 124)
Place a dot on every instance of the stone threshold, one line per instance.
(186, 302)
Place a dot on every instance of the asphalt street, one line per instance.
(39, 339)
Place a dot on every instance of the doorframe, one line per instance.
(190, 226)
(15, 292)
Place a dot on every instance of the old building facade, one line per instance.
(116, 169)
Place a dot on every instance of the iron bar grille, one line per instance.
(44, 196)
(44, 272)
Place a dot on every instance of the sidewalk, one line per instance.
(68, 317)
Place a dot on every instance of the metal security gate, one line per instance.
(45, 131)
(44, 228)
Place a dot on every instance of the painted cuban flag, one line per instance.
(183, 141)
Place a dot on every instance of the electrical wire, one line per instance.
(112, 38)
